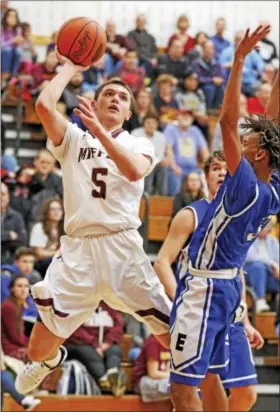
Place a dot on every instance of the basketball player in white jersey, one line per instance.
(101, 257)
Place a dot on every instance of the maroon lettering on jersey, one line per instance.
(82, 154)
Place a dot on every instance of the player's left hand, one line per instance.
(255, 338)
(250, 41)
(87, 114)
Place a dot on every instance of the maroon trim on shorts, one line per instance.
(153, 312)
(115, 133)
(49, 302)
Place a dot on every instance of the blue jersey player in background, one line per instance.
(235, 363)
(209, 290)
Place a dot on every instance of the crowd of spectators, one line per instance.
(176, 91)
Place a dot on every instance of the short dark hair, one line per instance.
(119, 82)
(151, 115)
(218, 155)
(24, 26)
(24, 251)
(269, 139)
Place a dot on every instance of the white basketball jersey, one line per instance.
(98, 199)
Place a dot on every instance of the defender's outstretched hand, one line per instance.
(250, 41)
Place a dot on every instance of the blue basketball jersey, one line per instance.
(242, 207)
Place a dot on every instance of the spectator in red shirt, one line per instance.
(130, 73)
(42, 73)
(151, 371)
(14, 341)
(96, 344)
(183, 25)
(257, 104)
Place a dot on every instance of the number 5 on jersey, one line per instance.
(98, 182)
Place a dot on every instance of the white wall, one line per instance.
(46, 17)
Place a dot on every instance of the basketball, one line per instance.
(82, 40)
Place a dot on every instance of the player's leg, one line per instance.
(214, 397)
(242, 398)
(199, 324)
(185, 397)
(65, 299)
(43, 344)
(133, 285)
(241, 376)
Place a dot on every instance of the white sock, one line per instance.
(53, 362)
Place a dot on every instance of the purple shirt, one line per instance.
(186, 145)
(8, 36)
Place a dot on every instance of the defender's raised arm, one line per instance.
(231, 106)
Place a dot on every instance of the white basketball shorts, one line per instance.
(113, 268)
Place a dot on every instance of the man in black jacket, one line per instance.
(145, 45)
(45, 183)
(13, 232)
(174, 62)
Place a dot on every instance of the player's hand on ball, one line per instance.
(63, 60)
(250, 41)
(86, 113)
(255, 338)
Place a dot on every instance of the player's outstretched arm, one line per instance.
(55, 124)
(231, 107)
(182, 226)
(272, 109)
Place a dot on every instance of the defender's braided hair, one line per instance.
(269, 136)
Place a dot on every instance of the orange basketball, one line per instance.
(82, 40)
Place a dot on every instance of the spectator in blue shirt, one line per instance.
(185, 144)
(210, 76)
(23, 266)
(252, 69)
(220, 43)
(262, 267)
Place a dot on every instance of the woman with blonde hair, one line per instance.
(183, 25)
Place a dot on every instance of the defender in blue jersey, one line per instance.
(209, 290)
(234, 363)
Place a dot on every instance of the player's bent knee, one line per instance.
(246, 394)
(184, 397)
(250, 396)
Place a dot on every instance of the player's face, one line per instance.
(250, 148)
(216, 175)
(113, 105)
